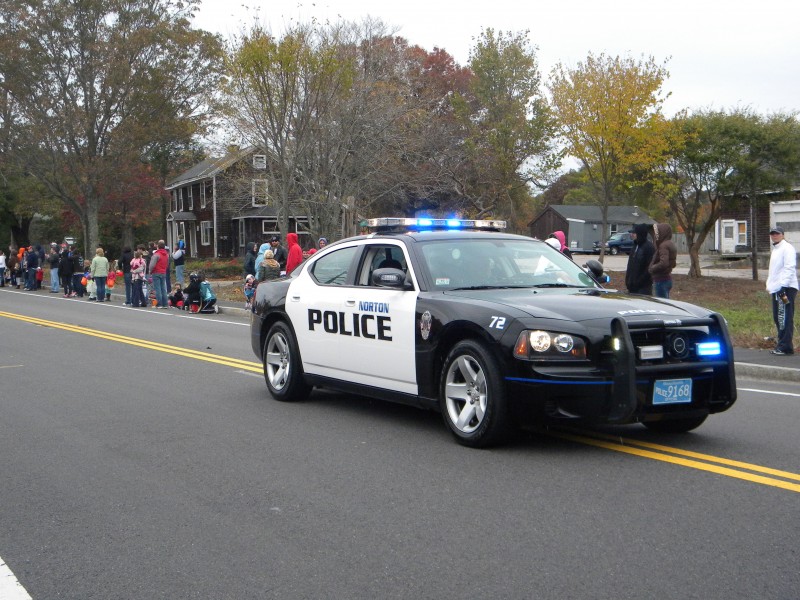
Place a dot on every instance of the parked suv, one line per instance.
(619, 242)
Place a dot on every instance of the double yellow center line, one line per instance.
(212, 358)
(685, 458)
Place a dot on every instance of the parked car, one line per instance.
(619, 242)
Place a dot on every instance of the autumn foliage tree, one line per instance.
(509, 127)
(609, 111)
(93, 83)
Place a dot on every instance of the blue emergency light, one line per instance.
(423, 223)
(709, 349)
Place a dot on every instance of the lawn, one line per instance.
(744, 303)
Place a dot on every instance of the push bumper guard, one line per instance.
(626, 372)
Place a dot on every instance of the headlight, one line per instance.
(549, 345)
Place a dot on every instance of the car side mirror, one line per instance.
(393, 278)
(595, 268)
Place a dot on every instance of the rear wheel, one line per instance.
(283, 370)
(614, 250)
(472, 397)
(676, 425)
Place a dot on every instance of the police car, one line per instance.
(488, 328)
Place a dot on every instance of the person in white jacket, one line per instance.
(782, 287)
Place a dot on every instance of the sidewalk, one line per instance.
(751, 363)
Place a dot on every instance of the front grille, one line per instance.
(679, 344)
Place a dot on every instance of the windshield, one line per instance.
(500, 263)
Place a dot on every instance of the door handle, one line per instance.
(295, 298)
(350, 302)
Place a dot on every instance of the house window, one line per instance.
(205, 233)
(741, 233)
(174, 200)
(260, 197)
(241, 233)
(202, 195)
(180, 199)
(191, 199)
(269, 227)
(259, 162)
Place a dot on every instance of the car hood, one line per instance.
(582, 305)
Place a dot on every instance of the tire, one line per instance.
(614, 250)
(676, 425)
(472, 397)
(283, 369)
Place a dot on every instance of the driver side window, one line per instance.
(380, 257)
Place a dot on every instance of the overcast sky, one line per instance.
(722, 54)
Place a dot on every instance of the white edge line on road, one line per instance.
(249, 374)
(768, 392)
(150, 311)
(10, 588)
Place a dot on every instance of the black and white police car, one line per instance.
(487, 327)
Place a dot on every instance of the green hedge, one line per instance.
(219, 268)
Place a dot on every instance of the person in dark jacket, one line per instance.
(250, 259)
(65, 271)
(78, 288)
(664, 259)
(637, 276)
(125, 263)
(279, 252)
(31, 262)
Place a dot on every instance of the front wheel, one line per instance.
(676, 425)
(614, 250)
(283, 370)
(472, 397)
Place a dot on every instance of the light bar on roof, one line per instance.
(428, 223)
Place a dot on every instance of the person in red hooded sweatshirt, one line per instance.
(562, 241)
(295, 252)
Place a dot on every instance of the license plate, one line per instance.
(672, 391)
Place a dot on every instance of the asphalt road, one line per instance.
(142, 457)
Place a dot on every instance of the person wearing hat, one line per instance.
(782, 288)
(279, 252)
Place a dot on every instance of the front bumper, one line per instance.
(619, 388)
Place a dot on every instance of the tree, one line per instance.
(509, 128)
(609, 111)
(351, 117)
(701, 172)
(94, 83)
(769, 159)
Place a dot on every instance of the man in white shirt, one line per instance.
(782, 287)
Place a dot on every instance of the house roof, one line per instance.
(182, 216)
(593, 214)
(209, 167)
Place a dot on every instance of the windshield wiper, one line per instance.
(558, 285)
(499, 286)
